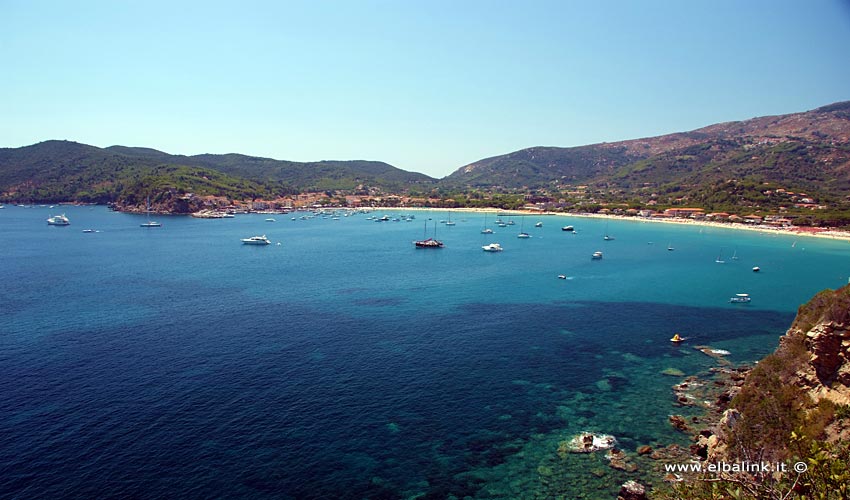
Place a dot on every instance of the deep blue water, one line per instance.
(344, 363)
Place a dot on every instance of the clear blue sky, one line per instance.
(427, 86)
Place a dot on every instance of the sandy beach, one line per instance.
(813, 232)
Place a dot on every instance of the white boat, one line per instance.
(58, 220)
(492, 247)
(256, 240)
(150, 223)
(88, 230)
(670, 247)
(270, 219)
(719, 258)
(522, 233)
(539, 224)
(562, 276)
(740, 298)
(596, 255)
(756, 269)
(568, 228)
(486, 229)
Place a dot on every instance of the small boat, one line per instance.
(88, 230)
(719, 258)
(596, 256)
(670, 247)
(568, 228)
(486, 230)
(149, 223)
(562, 276)
(539, 224)
(523, 235)
(756, 269)
(735, 254)
(256, 240)
(58, 220)
(676, 339)
(492, 247)
(429, 242)
(270, 219)
(740, 298)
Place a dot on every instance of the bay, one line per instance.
(345, 363)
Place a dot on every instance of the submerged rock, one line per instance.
(586, 442)
(632, 490)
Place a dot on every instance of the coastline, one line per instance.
(824, 233)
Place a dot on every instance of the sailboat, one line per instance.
(735, 254)
(522, 233)
(449, 222)
(719, 259)
(150, 223)
(607, 237)
(670, 247)
(486, 229)
(429, 242)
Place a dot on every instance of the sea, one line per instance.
(343, 362)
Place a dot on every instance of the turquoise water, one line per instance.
(345, 363)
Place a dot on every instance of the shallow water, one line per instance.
(345, 363)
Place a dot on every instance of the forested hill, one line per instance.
(64, 170)
(807, 151)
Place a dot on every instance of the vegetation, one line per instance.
(779, 423)
(797, 166)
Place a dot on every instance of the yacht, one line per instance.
(58, 220)
(486, 230)
(256, 240)
(740, 298)
(568, 228)
(429, 243)
(596, 255)
(492, 247)
(523, 235)
(149, 223)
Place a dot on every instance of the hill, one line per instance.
(68, 171)
(712, 166)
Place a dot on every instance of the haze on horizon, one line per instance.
(427, 87)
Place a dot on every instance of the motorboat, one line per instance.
(539, 224)
(58, 220)
(562, 276)
(568, 228)
(596, 255)
(492, 247)
(256, 240)
(88, 230)
(756, 269)
(740, 298)
(270, 219)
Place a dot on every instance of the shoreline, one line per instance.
(823, 233)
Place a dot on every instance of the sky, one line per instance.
(427, 86)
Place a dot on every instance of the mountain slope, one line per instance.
(807, 151)
(64, 170)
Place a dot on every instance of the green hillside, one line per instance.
(67, 171)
